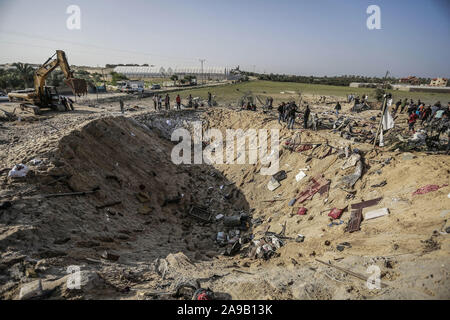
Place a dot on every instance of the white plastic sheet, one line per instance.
(19, 171)
(388, 121)
(300, 176)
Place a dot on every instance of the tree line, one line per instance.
(22, 77)
(343, 80)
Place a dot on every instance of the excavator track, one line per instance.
(25, 106)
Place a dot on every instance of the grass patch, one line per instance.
(230, 93)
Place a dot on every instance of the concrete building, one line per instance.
(410, 80)
(439, 82)
(365, 85)
(422, 88)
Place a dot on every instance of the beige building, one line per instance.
(439, 82)
(410, 80)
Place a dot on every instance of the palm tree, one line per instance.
(25, 71)
(174, 78)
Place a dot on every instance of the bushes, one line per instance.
(10, 80)
(117, 77)
(379, 93)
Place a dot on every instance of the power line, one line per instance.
(96, 46)
(93, 46)
(52, 48)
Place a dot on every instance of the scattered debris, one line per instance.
(350, 180)
(355, 221)
(336, 213)
(232, 221)
(273, 184)
(110, 256)
(376, 213)
(366, 279)
(18, 171)
(300, 176)
(318, 184)
(381, 184)
(200, 213)
(365, 204)
(81, 193)
(334, 223)
(280, 175)
(351, 161)
(343, 245)
(428, 188)
(430, 245)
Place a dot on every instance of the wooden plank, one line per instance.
(354, 222)
(366, 204)
(357, 275)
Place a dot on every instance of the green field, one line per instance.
(230, 93)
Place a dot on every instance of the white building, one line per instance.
(208, 73)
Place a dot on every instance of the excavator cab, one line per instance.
(50, 95)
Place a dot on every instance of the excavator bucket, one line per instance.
(78, 86)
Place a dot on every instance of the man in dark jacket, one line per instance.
(280, 112)
(291, 115)
(337, 108)
(167, 102)
(306, 117)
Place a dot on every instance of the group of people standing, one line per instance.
(436, 116)
(287, 113)
(351, 97)
(158, 101)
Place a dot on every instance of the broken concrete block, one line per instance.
(31, 290)
(273, 184)
(351, 162)
(376, 213)
(351, 179)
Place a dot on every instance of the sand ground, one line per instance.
(140, 212)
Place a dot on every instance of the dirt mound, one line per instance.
(135, 208)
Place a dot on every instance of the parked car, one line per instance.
(155, 87)
(132, 87)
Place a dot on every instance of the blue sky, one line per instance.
(321, 37)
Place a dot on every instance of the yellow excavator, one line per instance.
(43, 96)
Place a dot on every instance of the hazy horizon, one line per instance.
(286, 37)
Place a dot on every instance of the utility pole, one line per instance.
(385, 79)
(203, 78)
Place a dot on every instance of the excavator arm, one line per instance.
(42, 73)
